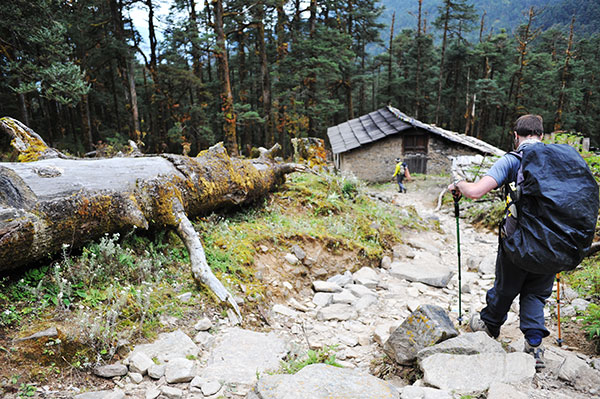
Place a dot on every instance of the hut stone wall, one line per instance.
(439, 151)
(375, 162)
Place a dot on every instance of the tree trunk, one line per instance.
(418, 67)
(265, 80)
(229, 122)
(563, 86)
(389, 85)
(441, 75)
(55, 201)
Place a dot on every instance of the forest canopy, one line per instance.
(250, 74)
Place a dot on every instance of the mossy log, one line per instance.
(47, 203)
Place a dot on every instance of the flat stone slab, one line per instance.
(321, 381)
(427, 269)
(464, 344)
(475, 373)
(337, 311)
(168, 346)
(239, 355)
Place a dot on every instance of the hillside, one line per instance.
(507, 14)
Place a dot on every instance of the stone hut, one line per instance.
(369, 145)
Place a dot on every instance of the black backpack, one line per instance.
(555, 200)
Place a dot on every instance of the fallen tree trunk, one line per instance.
(51, 202)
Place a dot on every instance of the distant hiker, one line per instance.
(400, 174)
(552, 206)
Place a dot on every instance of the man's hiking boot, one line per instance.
(476, 324)
(538, 354)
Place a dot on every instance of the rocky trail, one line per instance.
(356, 314)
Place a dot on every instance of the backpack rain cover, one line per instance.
(557, 210)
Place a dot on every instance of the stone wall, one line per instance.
(438, 154)
(375, 162)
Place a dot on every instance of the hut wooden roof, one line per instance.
(389, 121)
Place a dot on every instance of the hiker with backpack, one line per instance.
(400, 174)
(550, 219)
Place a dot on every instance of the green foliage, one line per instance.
(591, 323)
(325, 355)
(586, 278)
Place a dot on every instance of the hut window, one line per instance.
(415, 143)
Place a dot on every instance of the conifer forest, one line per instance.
(88, 76)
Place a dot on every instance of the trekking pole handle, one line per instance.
(456, 195)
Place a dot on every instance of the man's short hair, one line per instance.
(528, 125)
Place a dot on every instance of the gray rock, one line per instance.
(321, 381)
(400, 251)
(596, 363)
(365, 302)
(567, 311)
(322, 299)
(360, 290)
(325, 286)
(210, 388)
(475, 373)
(139, 362)
(344, 297)
(414, 392)
(116, 394)
(427, 326)
(203, 324)
(179, 370)
(579, 304)
(464, 344)
(110, 370)
(382, 333)
(499, 390)
(171, 392)
(47, 333)
(341, 279)
(156, 371)
(284, 310)
(152, 393)
(169, 346)
(299, 252)
(568, 293)
(338, 311)
(239, 355)
(386, 262)
(487, 264)
(291, 259)
(185, 297)
(308, 261)
(428, 245)
(578, 373)
(136, 378)
(424, 270)
(203, 338)
(366, 276)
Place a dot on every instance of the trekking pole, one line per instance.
(456, 195)
(559, 341)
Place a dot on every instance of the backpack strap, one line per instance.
(512, 195)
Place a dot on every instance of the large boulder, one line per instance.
(321, 381)
(426, 326)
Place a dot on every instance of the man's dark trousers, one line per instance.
(511, 281)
